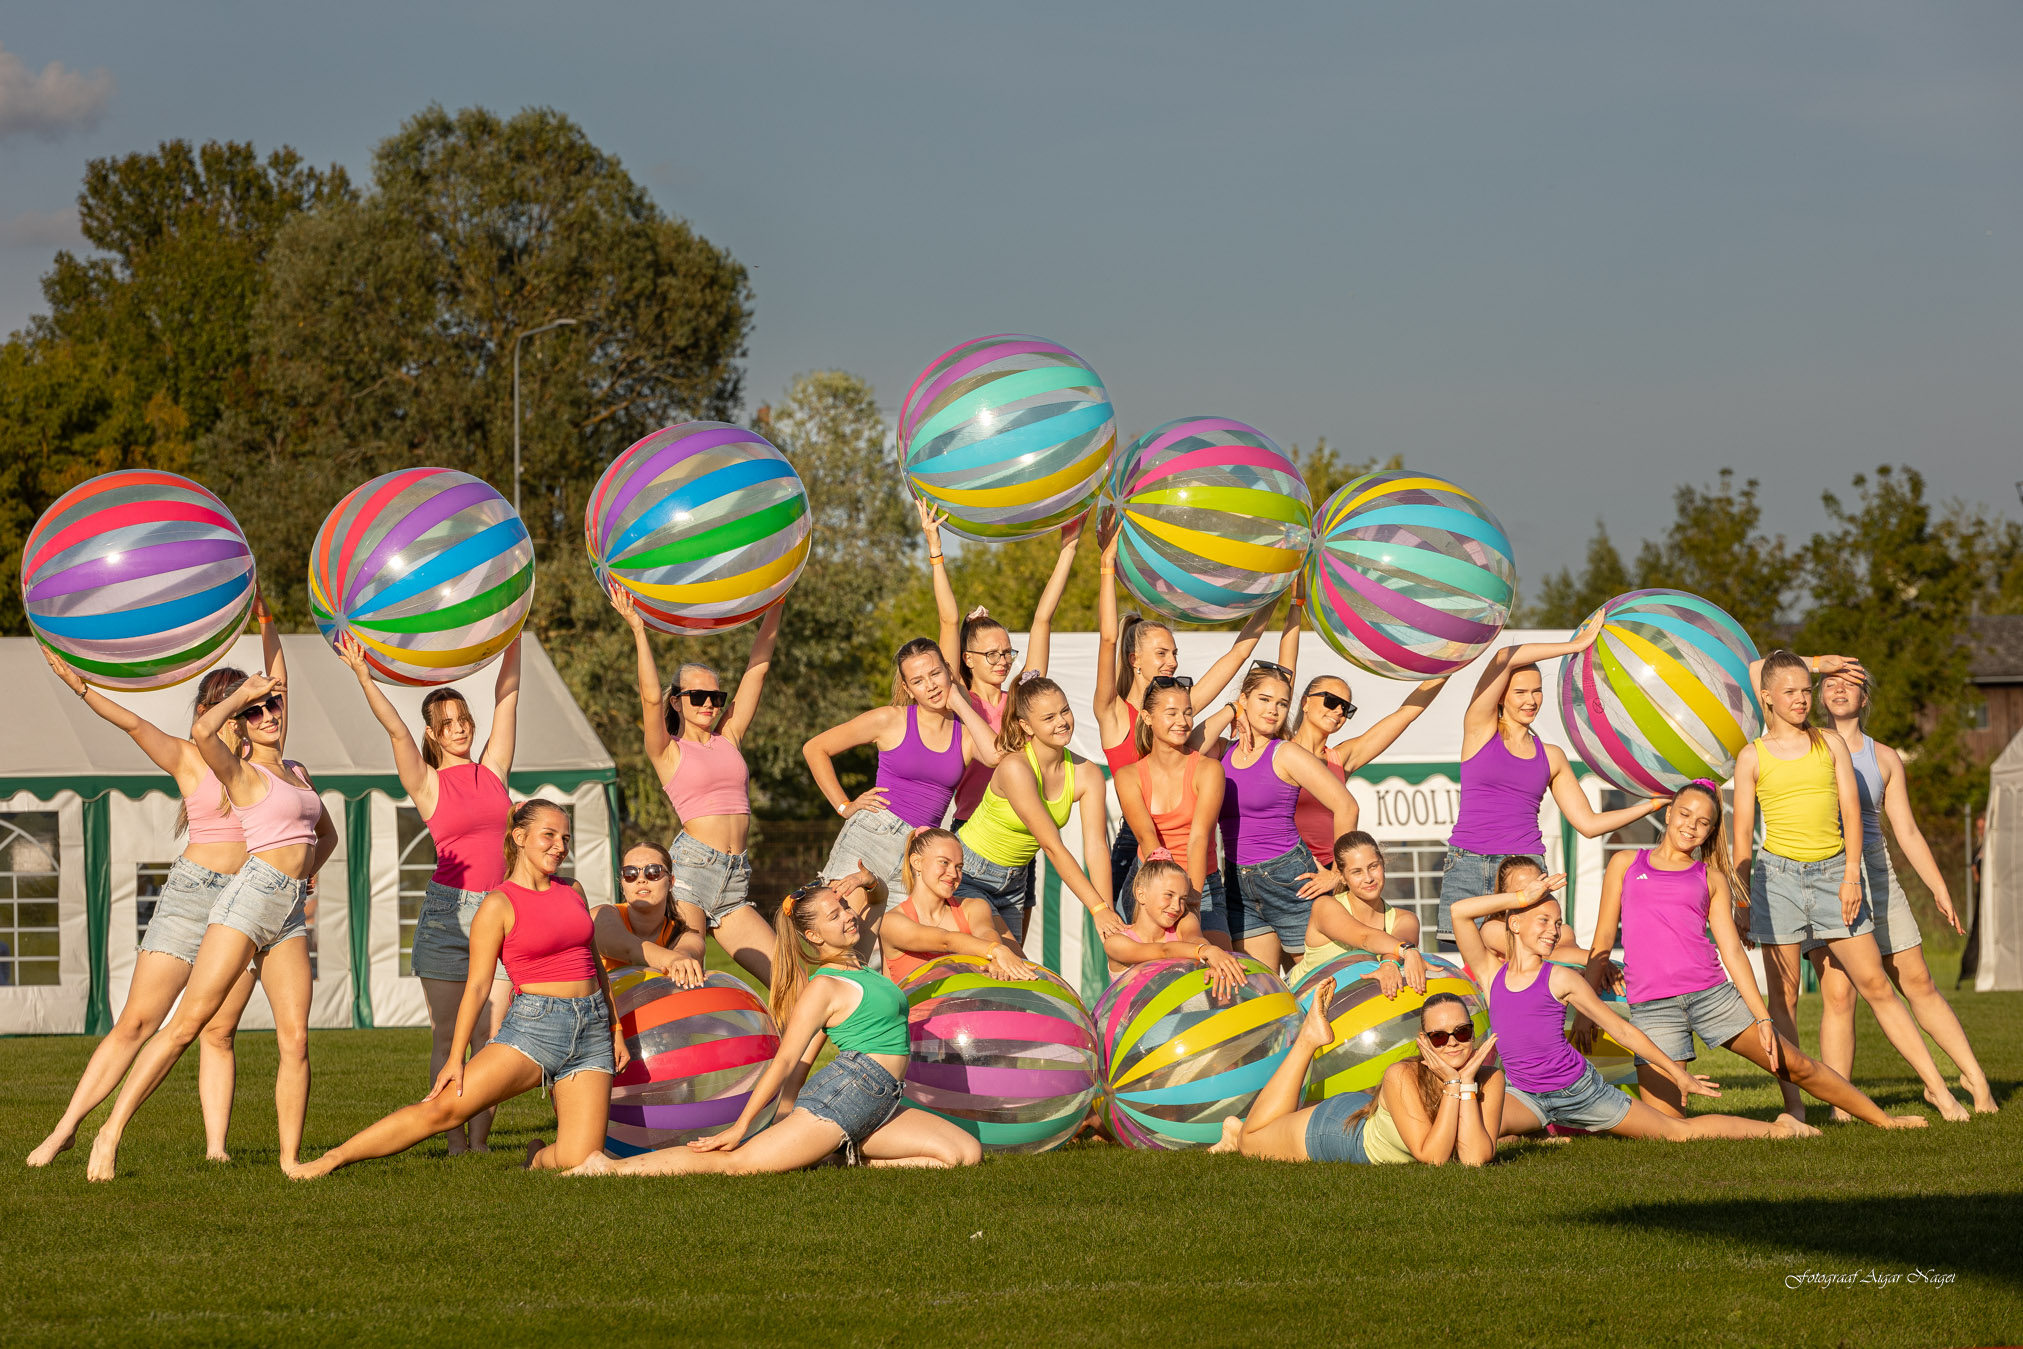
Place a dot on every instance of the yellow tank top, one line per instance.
(997, 834)
(1321, 953)
(1382, 1143)
(1800, 801)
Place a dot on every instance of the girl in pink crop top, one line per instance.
(710, 779)
(286, 817)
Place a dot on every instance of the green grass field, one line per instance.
(1590, 1242)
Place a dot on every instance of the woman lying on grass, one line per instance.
(1163, 926)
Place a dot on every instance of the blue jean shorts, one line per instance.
(1588, 1102)
(1003, 887)
(263, 903)
(1717, 1015)
(1330, 1136)
(1214, 909)
(442, 934)
(715, 882)
(1464, 875)
(564, 1036)
(183, 910)
(1267, 898)
(1896, 927)
(1790, 901)
(854, 1094)
(877, 838)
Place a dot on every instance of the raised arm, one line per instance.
(174, 755)
(416, 777)
(230, 768)
(270, 638)
(1904, 823)
(1040, 635)
(1105, 699)
(745, 705)
(1288, 637)
(653, 717)
(1384, 733)
(946, 611)
(1481, 959)
(1819, 666)
(875, 727)
(1573, 802)
(498, 754)
(1230, 663)
(1479, 722)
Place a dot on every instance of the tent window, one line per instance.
(418, 863)
(29, 949)
(1412, 879)
(150, 878)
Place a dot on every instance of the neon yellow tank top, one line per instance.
(1382, 1143)
(1801, 804)
(1320, 953)
(997, 834)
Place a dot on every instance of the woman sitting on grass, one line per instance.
(1426, 1109)
(1164, 927)
(932, 922)
(857, 1100)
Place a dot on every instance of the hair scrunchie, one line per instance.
(981, 611)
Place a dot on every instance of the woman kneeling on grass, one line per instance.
(1427, 1109)
(858, 1099)
(1163, 927)
(560, 1034)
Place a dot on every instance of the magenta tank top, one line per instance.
(208, 813)
(1257, 809)
(1530, 1028)
(469, 827)
(285, 816)
(918, 782)
(1666, 949)
(976, 777)
(1500, 797)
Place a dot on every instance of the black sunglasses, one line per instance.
(1461, 1034)
(1334, 702)
(261, 708)
(1274, 667)
(704, 697)
(1170, 682)
(653, 871)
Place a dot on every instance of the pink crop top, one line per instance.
(209, 813)
(469, 827)
(285, 816)
(710, 780)
(551, 938)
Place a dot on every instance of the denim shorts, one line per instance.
(565, 1036)
(1790, 901)
(715, 882)
(1330, 1136)
(264, 904)
(1003, 887)
(1717, 1015)
(877, 838)
(854, 1094)
(1214, 910)
(1588, 1102)
(1464, 875)
(1267, 897)
(1896, 927)
(183, 910)
(442, 935)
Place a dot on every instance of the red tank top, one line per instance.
(469, 827)
(551, 938)
(1127, 752)
(1176, 826)
(1315, 822)
(906, 962)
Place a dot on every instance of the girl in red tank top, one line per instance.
(932, 922)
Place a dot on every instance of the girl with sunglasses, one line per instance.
(1428, 1109)
(168, 949)
(931, 921)
(648, 927)
(465, 806)
(257, 916)
(1171, 796)
(694, 743)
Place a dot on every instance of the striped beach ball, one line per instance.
(1012, 1062)
(1178, 1060)
(696, 1055)
(1372, 1032)
(1663, 695)
(1410, 576)
(705, 523)
(1215, 519)
(1010, 435)
(430, 569)
(139, 578)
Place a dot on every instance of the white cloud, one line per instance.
(42, 229)
(50, 102)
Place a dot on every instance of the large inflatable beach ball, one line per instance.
(1009, 435)
(1372, 1032)
(1214, 519)
(1178, 1060)
(1410, 576)
(705, 523)
(1663, 695)
(1013, 1063)
(696, 1055)
(139, 578)
(430, 569)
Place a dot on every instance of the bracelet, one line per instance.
(840, 809)
(1109, 571)
(934, 557)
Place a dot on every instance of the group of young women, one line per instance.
(1239, 834)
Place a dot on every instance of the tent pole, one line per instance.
(358, 884)
(98, 912)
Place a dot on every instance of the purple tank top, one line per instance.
(1666, 949)
(1500, 797)
(1530, 1026)
(918, 782)
(1257, 809)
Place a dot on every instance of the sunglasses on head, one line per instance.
(254, 711)
(1004, 655)
(1460, 1035)
(711, 698)
(1334, 702)
(1170, 682)
(1274, 667)
(652, 871)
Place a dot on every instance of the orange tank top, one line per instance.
(1176, 826)
(904, 963)
(670, 929)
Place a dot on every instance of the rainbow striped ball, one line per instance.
(1372, 1032)
(705, 523)
(1014, 1063)
(1663, 695)
(1177, 1060)
(1215, 519)
(696, 1055)
(430, 569)
(1009, 435)
(139, 578)
(1410, 577)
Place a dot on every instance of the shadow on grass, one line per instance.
(1970, 1233)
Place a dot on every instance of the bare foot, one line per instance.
(1232, 1136)
(1984, 1096)
(103, 1164)
(596, 1164)
(56, 1145)
(1794, 1127)
(1317, 1031)
(222, 1156)
(315, 1170)
(1840, 1116)
(1948, 1106)
(1907, 1122)
(533, 1151)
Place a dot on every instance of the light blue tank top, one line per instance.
(1868, 782)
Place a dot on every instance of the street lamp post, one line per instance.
(517, 339)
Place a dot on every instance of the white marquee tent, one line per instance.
(2001, 898)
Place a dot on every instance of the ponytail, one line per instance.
(1011, 737)
(916, 845)
(216, 686)
(1713, 851)
(793, 953)
(1128, 638)
(978, 620)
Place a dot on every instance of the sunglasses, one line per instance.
(254, 711)
(711, 698)
(1334, 702)
(652, 871)
(1004, 655)
(1170, 682)
(1460, 1035)
(1274, 667)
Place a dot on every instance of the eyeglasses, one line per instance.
(704, 697)
(1274, 667)
(254, 711)
(652, 871)
(1004, 655)
(1170, 682)
(1460, 1035)
(1334, 702)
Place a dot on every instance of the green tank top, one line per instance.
(878, 1026)
(997, 834)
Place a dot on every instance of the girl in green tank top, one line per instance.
(858, 1100)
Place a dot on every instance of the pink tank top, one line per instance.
(551, 938)
(469, 827)
(1315, 822)
(285, 816)
(976, 777)
(710, 780)
(1666, 949)
(209, 813)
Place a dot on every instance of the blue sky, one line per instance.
(1571, 255)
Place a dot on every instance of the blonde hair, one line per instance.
(917, 845)
(212, 689)
(1513, 673)
(523, 816)
(1780, 660)
(1149, 872)
(1011, 737)
(1253, 679)
(1713, 850)
(793, 953)
(1129, 638)
(919, 646)
(1141, 735)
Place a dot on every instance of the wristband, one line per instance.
(934, 557)
(845, 806)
